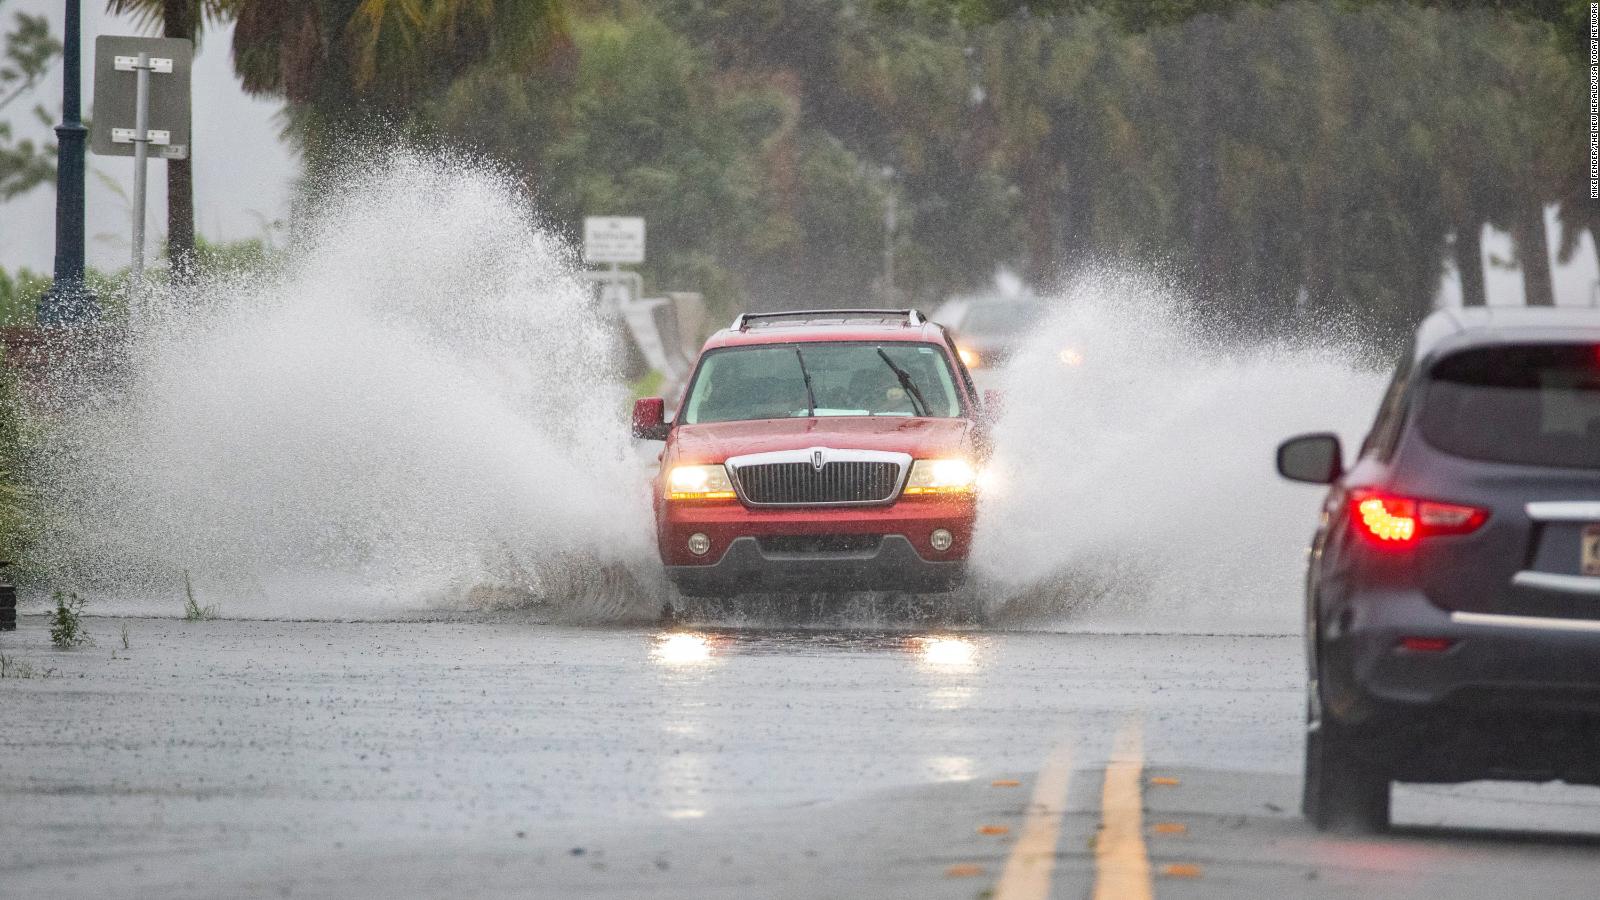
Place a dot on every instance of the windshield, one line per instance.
(1000, 319)
(1534, 405)
(846, 379)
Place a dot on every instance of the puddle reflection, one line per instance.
(682, 648)
(949, 768)
(946, 653)
(940, 653)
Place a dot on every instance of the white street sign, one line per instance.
(613, 239)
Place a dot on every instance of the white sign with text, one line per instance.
(613, 239)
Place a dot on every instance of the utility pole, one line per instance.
(69, 302)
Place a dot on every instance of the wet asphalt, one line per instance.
(498, 756)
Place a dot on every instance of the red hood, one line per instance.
(922, 438)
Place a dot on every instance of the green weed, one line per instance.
(17, 668)
(192, 610)
(66, 623)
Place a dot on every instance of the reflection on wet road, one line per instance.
(369, 758)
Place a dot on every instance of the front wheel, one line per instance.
(1343, 791)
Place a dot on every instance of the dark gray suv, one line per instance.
(1453, 595)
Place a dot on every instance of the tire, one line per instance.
(1343, 791)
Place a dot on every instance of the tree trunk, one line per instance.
(179, 18)
(1533, 254)
(1469, 263)
(1036, 188)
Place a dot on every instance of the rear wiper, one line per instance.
(811, 396)
(918, 405)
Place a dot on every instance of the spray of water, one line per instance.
(420, 408)
(1134, 481)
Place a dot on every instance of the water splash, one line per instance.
(1134, 482)
(420, 408)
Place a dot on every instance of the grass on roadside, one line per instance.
(192, 610)
(66, 623)
(647, 385)
(11, 667)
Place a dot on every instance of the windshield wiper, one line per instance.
(811, 396)
(918, 405)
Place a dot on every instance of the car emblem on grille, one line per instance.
(818, 460)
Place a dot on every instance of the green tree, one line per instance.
(30, 49)
(343, 65)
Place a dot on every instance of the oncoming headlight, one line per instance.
(969, 358)
(941, 476)
(699, 483)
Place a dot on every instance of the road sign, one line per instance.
(141, 100)
(111, 133)
(613, 239)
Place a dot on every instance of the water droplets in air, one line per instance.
(420, 408)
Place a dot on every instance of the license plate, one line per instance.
(1591, 550)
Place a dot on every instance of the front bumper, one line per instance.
(746, 567)
(1510, 698)
(895, 553)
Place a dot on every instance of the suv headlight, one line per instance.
(699, 483)
(942, 476)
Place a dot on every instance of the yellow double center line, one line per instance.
(1122, 865)
(1028, 868)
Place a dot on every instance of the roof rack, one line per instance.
(743, 321)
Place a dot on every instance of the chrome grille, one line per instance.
(836, 482)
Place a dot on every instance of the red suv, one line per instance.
(819, 451)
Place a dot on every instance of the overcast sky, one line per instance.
(243, 172)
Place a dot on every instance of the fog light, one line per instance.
(699, 544)
(941, 539)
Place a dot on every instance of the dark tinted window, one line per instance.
(1531, 404)
(1385, 432)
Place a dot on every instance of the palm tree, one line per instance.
(338, 61)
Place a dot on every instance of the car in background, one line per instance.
(817, 451)
(1453, 592)
(989, 330)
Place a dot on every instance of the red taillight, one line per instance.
(1396, 521)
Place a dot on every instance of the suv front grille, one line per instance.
(836, 482)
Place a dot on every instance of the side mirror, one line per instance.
(994, 404)
(650, 419)
(1316, 458)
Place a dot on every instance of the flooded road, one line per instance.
(490, 756)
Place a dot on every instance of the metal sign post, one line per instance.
(156, 99)
(141, 154)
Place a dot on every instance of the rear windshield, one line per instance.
(895, 378)
(1530, 404)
